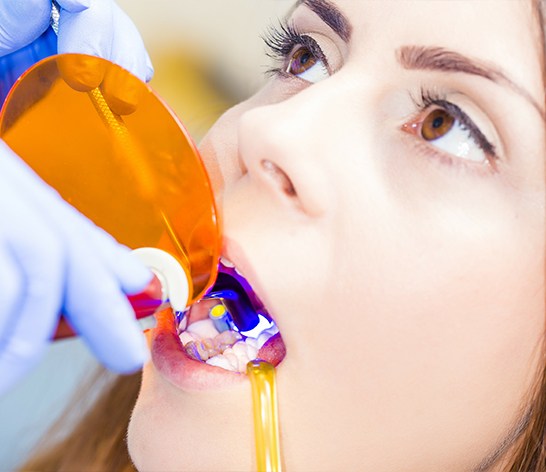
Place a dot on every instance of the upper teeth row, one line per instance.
(231, 265)
(226, 262)
(235, 358)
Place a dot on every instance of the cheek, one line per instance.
(441, 294)
(430, 308)
(445, 303)
(452, 265)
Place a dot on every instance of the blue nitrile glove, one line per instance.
(53, 260)
(95, 27)
(103, 30)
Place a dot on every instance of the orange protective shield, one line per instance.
(110, 146)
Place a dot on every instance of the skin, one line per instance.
(408, 284)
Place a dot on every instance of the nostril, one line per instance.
(280, 176)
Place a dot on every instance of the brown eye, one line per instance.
(437, 124)
(302, 60)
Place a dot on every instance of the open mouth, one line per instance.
(230, 326)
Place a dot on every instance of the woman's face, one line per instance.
(384, 194)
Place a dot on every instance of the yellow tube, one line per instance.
(266, 423)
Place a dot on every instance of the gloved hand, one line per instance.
(95, 27)
(53, 260)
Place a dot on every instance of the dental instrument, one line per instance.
(221, 318)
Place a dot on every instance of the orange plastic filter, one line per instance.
(110, 146)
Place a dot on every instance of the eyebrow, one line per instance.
(444, 60)
(331, 15)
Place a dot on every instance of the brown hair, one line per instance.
(98, 440)
(530, 452)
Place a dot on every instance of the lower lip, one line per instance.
(172, 362)
(175, 365)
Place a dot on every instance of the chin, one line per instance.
(173, 430)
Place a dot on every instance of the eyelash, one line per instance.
(430, 98)
(282, 40)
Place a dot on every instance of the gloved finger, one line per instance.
(94, 303)
(104, 30)
(31, 252)
(87, 32)
(35, 324)
(132, 274)
(121, 90)
(74, 6)
(40, 261)
(10, 276)
(127, 38)
(21, 22)
(82, 73)
(12, 289)
(100, 313)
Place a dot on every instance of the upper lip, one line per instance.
(235, 254)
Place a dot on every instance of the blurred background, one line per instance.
(207, 55)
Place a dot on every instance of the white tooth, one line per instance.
(265, 335)
(262, 339)
(186, 337)
(242, 361)
(231, 357)
(237, 271)
(228, 351)
(220, 361)
(239, 348)
(251, 351)
(183, 324)
(227, 263)
(251, 342)
(203, 329)
(272, 331)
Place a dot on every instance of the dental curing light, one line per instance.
(126, 162)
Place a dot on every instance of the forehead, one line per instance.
(504, 32)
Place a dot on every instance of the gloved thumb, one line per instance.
(74, 6)
(21, 22)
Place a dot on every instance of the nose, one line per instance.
(283, 147)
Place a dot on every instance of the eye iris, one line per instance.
(302, 60)
(436, 125)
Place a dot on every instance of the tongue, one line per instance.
(273, 351)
